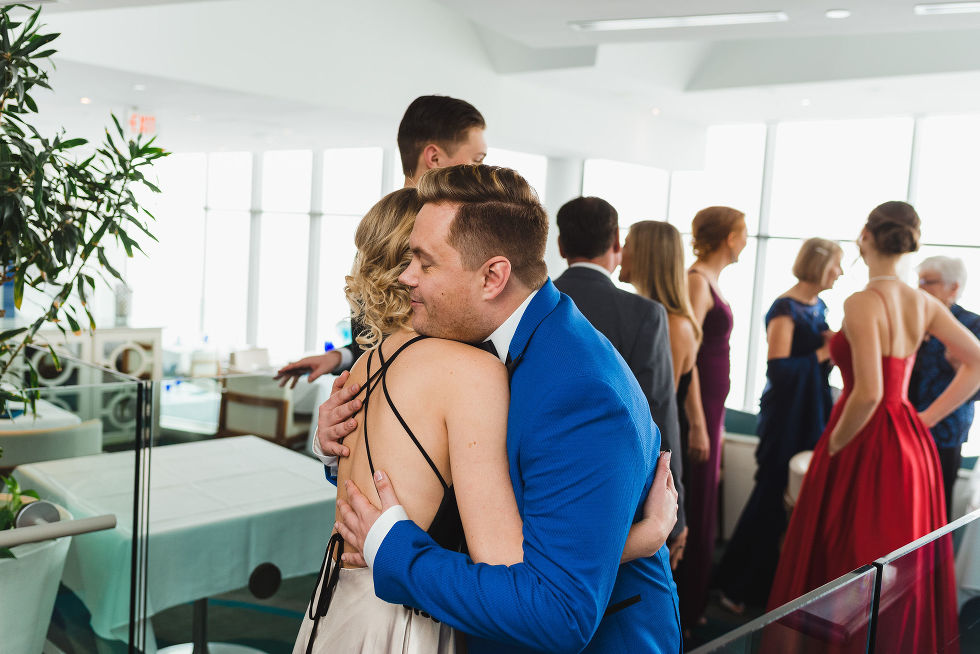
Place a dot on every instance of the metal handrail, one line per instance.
(51, 530)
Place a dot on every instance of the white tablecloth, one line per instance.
(48, 417)
(218, 509)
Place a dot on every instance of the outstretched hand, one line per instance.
(357, 515)
(335, 417)
(315, 366)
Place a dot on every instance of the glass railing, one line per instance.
(835, 617)
(929, 599)
(240, 512)
(924, 597)
(80, 445)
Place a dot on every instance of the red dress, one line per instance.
(878, 494)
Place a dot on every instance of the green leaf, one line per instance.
(10, 333)
(18, 289)
(72, 143)
(54, 357)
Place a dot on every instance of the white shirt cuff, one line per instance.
(380, 529)
(329, 461)
(346, 359)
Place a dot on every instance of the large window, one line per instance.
(638, 192)
(532, 167)
(287, 178)
(351, 185)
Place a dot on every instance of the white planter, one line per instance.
(30, 584)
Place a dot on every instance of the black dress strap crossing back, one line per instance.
(446, 528)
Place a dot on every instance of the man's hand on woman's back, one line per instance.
(335, 420)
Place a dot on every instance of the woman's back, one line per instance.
(436, 387)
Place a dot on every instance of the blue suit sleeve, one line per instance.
(579, 457)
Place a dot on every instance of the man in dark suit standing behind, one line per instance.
(588, 238)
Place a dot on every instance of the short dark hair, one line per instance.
(498, 214)
(435, 119)
(587, 227)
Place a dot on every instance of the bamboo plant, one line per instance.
(58, 209)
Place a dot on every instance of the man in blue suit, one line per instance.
(580, 440)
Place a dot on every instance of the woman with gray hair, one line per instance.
(944, 278)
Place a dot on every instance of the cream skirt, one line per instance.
(357, 622)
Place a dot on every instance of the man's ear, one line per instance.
(496, 275)
(616, 247)
(561, 248)
(432, 156)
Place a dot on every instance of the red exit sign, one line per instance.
(142, 124)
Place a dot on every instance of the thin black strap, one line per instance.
(888, 319)
(330, 565)
(369, 388)
(428, 459)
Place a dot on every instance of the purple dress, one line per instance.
(701, 479)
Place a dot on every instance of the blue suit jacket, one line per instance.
(582, 450)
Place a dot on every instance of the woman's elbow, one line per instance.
(866, 398)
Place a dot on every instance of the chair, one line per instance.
(798, 466)
(32, 445)
(256, 405)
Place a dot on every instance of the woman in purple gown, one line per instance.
(719, 236)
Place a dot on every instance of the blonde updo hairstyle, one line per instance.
(712, 226)
(375, 295)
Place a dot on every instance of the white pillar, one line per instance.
(254, 253)
(563, 183)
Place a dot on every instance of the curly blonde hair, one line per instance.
(375, 295)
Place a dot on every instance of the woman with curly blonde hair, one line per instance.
(434, 416)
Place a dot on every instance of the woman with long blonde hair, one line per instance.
(653, 262)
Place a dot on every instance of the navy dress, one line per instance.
(793, 411)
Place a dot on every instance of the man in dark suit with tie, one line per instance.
(588, 238)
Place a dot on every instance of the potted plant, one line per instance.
(34, 570)
(57, 209)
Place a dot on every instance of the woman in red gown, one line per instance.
(874, 483)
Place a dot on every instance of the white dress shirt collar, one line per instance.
(593, 266)
(503, 335)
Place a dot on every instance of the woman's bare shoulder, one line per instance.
(439, 356)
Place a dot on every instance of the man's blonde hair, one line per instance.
(498, 214)
(375, 295)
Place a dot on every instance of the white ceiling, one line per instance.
(544, 23)
(330, 70)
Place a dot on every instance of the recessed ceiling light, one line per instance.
(947, 8)
(85, 100)
(666, 22)
(837, 13)
(655, 111)
(805, 102)
(139, 87)
(194, 117)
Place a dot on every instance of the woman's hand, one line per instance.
(928, 417)
(647, 536)
(698, 446)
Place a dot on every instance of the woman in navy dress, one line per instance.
(793, 411)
